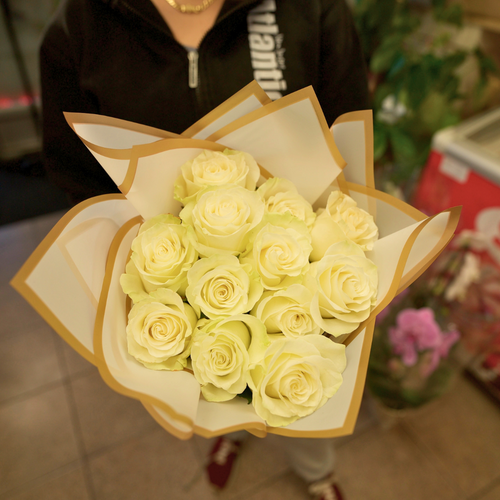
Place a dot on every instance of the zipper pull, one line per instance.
(193, 69)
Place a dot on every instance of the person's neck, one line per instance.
(188, 29)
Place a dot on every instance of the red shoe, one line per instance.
(221, 461)
(326, 489)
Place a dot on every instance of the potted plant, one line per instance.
(424, 76)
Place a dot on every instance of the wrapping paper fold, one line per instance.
(72, 278)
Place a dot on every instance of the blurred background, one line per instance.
(24, 189)
(428, 429)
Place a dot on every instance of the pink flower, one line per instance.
(447, 341)
(416, 330)
(441, 351)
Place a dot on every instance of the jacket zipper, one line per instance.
(193, 57)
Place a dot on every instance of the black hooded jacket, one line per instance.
(119, 58)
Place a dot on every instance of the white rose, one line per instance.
(279, 249)
(324, 233)
(162, 254)
(222, 352)
(346, 291)
(287, 312)
(281, 196)
(213, 168)
(221, 286)
(357, 224)
(222, 219)
(296, 377)
(159, 331)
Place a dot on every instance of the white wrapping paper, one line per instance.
(72, 278)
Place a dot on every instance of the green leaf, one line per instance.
(433, 110)
(386, 53)
(419, 82)
(402, 144)
(247, 394)
(405, 23)
(450, 117)
(381, 92)
(486, 63)
(452, 14)
(451, 89)
(380, 141)
(437, 4)
(397, 66)
(449, 65)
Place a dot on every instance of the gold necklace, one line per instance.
(190, 9)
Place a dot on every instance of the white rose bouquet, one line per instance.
(250, 242)
(248, 256)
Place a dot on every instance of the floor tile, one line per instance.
(106, 417)
(448, 452)
(27, 361)
(155, 466)
(367, 417)
(17, 242)
(285, 487)
(201, 446)
(17, 315)
(70, 486)
(36, 437)
(75, 364)
(463, 431)
(260, 461)
(389, 465)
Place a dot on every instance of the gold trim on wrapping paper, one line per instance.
(365, 116)
(402, 206)
(200, 431)
(261, 430)
(149, 402)
(341, 182)
(101, 364)
(18, 282)
(446, 237)
(264, 173)
(355, 404)
(166, 425)
(161, 146)
(298, 96)
(116, 154)
(400, 281)
(257, 429)
(252, 89)
(338, 184)
(62, 243)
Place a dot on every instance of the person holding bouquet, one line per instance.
(167, 63)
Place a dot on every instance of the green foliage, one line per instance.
(247, 394)
(386, 53)
(452, 14)
(380, 140)
(395, 384)
(419, 71)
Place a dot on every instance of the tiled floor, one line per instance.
(64, 435)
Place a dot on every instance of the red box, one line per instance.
(464, 169)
